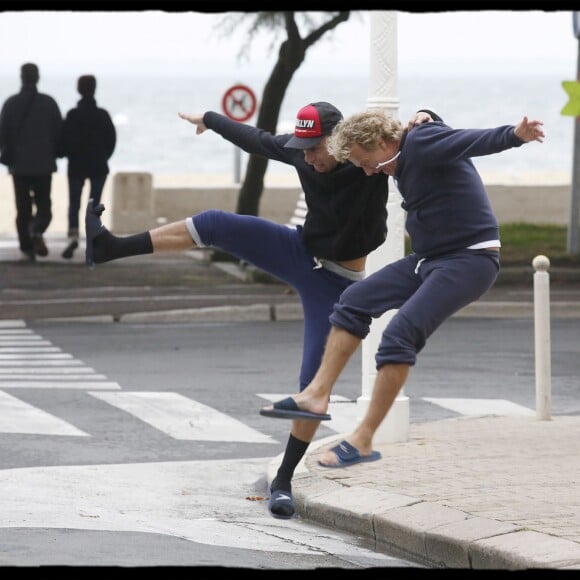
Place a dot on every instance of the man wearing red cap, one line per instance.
(346, 220)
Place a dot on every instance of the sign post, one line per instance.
(572, 108)
(239, 104)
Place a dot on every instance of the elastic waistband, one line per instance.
(340, 270)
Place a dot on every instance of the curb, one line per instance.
(253, 313)
(428, 533)
(498, 309)
(292, 311)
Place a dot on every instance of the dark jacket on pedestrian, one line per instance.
(30, 128)
(88, 139)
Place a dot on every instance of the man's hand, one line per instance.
(528, 131)
(418, 119)
(196, 120)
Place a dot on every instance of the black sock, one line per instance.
(295, 450)
(107, 247)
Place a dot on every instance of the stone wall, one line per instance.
(138, 201)
(137, 205)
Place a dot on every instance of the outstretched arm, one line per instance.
(195, 120)
(249, 138)
(528, 131)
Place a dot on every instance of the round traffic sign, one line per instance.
(239, 103)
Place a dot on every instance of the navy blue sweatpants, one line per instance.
(425, 293)
(278, 250)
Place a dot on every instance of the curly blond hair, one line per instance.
(365, 129)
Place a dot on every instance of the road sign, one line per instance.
(239, 103)
(572, 107)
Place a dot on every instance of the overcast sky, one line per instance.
(186, 43)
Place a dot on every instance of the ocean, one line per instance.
(151, 137)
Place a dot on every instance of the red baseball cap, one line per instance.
(313, 122)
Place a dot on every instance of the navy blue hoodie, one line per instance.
(446, 202)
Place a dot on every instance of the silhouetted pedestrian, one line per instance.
(30, 126)
(88, 141)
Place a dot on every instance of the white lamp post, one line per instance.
(383, 95)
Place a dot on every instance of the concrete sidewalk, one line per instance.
(495, 492)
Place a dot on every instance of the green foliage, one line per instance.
(521, 236)
(521, 242)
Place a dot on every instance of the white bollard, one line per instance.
(542, 338)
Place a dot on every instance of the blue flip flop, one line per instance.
(93, 227)
(349, 455)
(288, 409)
(281, 504)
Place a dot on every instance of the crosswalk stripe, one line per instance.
(85, 385)
(12, 324)
(23, 340)
(19, 332)
(29, 349)
(481, 407)
(183, 418)
(27, 362)
(46, 370)
(30, 356)
(20, 417)
(51, 376)
(345, 416)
